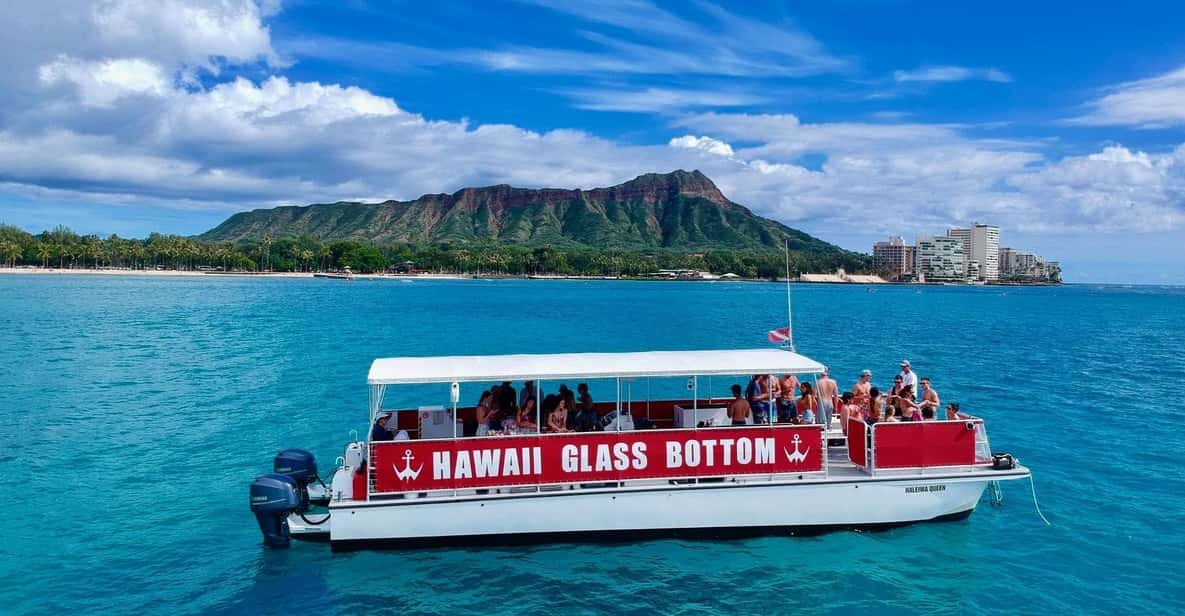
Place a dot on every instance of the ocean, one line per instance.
(134, 412)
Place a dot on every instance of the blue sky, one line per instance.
(1064, 123)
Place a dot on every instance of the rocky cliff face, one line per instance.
(678, 210)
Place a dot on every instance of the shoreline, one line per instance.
(53, 271)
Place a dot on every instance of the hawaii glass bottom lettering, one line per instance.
(407, 466)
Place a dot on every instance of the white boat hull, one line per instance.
(704, 510)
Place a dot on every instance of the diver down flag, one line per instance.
(778, 336)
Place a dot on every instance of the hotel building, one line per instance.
(981, 244)
(894, 255)
(940, 259)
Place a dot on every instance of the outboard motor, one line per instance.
(301, 466)
(273, 498)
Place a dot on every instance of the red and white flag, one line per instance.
(778, 336)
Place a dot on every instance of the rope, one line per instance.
(1035, 505)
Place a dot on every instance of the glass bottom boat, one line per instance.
(668, 465)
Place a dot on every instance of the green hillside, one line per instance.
(677, 211)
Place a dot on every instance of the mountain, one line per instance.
(679, 210)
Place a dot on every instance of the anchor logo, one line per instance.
(798, 456)
(407, 472)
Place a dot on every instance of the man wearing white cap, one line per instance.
(908, 377)
(862, 389)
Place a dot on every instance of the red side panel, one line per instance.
(857, 443)
(360, 486)
(918, 444)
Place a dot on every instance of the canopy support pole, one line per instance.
(455, 419)
(618, 404)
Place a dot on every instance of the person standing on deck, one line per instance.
(485, 413)
(738, 409)
(586, 416)
(827, 391)
(507, 400)
(757, 394)
(787, 411)
(528, 391)
(930, 399)
(862, 389)
(807, 403)
(908, 376)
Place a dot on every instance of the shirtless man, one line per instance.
(738, 409)
(861, 388)
(826, 390)
(787, 412)
(929, 399)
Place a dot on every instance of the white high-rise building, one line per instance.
(940, 259)
(981, 243)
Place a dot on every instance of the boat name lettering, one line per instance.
(482, 463)
(923, 489)
(615, 457)
(524, 460)
(710, 452)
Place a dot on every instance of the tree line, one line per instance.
(63, 248)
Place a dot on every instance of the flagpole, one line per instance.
(789, 314)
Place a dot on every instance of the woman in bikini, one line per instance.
(484, 413)
(526, 417)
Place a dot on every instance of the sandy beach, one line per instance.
(52, 271)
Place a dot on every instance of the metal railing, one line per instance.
(870, 450)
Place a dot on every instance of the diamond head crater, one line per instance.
(656, 222)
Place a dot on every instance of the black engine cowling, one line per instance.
(273, 497)
(297, 464)
(301, 466)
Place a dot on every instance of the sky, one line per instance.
(854, 120)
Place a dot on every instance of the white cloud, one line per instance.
(1116, 189)
(276, 96)
(650, 100)
(951, 73)
(661, 43)
(185, 31)
(707, 144)
(101, 83)
(77, 42)
(1156, 102)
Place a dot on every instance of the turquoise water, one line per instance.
(135, 411)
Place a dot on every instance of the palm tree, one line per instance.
(265, 253)
(296, 253)
(11, 251)
(323, 254)
(139, 255)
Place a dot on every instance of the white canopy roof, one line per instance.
(480, 368)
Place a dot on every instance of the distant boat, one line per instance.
(345, 274)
